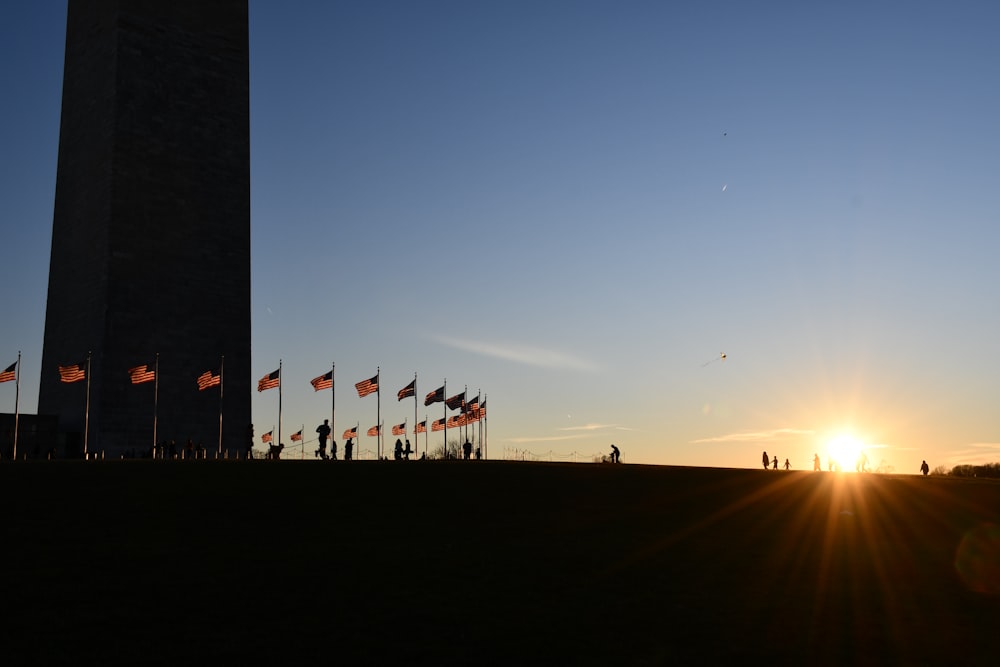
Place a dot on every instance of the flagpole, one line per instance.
(444, 405)
(333, 404)
(416, 440)
(222, 384)
(17, 398)
(378, 412)
(156, 393)
(425, 434)
(279, 402)
(486, 430)
(302, 442)
(86, 411)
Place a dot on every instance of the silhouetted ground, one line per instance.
(492, 563)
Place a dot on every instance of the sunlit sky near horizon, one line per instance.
(575, 207)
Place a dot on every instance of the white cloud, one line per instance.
(523, 354)
(756, 436)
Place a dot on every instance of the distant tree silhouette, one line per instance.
(991, 470)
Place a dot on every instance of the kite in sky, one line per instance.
(721, 357)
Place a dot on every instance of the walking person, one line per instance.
(348, 449)
(616, 455)
(767, 461)
(324, 432)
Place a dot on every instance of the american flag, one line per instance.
(270, 381)
(267, 436)
(422, 427)
(351, 433)
(72, 373)
(435, 396)
(8, 373)
(399, 429)
(408, 390)
(323, 381)
(471, 404)
(456, 401)
(437, 424)
(141, 374)
(369, 386)
(456, 421)
(208, 379)
(297, 436)
(374, 430)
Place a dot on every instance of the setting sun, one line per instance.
(846, 452)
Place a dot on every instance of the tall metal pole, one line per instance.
(86, 411)
(222, 388)
(17, 398)
(156, 394)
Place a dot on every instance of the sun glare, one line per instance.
(845, 452)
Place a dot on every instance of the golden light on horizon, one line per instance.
(845, 451)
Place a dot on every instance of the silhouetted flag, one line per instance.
(399, 429)
(437, 424)
(269, 381)
(8, 373)
(471, 404)
(207, 379)
(375, 430)
(435, 396)
(422, 427)
(323, 381)
(456, 401)
(72, 373)
(351, 433)
(141, 374)
(369, 386)
(297, 436)
(456, 421)
(267, 437)
(408, 390)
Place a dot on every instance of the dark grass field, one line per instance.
(492, 563)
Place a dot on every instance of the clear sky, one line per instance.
(576, 207)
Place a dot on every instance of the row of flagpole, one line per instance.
(142, 374)
(372, 385)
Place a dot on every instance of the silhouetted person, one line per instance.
(467, 450)
(189, 449)
(787, 464)
(775, 462)
(333, 450)
(249, 445)
(924, 468)
(397, 452)
(816, 464)
(862, 464)
(616, 454)
(274, 453)
(479, 453)
(324, 432)
(348, 449)
(408, 450)
(767, 461)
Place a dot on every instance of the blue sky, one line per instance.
(575, 207)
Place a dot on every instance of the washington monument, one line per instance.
(150, 260)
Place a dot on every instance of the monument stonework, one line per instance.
(151, 227)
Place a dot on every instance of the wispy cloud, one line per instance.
(757, 436)
(589, 427)
(549, 438)
(976, 453)
(523, 354)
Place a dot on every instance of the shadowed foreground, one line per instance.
(492, 563)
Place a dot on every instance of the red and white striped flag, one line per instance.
(437, 425)
(422, 427)
(399, 429)
(369, 386)
(351, 433)
(323, 381)
(140, 374)
(297, 436)
(267, 437)
(270, 381)
(375, 430)
(7, 375)
(72, 373)
(208, 379)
